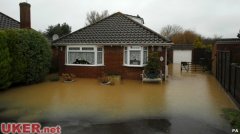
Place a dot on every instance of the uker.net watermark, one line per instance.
(28, 128)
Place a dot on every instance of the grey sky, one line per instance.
(207, 17)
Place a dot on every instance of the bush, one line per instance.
(233, 116)
(31, 56)
(152, 69)
(5, 60)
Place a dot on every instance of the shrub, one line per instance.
(152, 69)
(5, 60)
(31, 56)
(233, 116)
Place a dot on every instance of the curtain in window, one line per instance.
(81, 58)
(72, 57)
(135, 57)
(88, 57)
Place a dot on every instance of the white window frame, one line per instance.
(95, 50)
(134, 48)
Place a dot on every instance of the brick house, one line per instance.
(118, 44)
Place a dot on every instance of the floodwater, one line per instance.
(185, 103)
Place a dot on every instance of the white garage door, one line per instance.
(182, 55)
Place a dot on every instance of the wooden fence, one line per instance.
(228, 74)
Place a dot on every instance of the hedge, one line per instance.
(5, 61)
(31, 56)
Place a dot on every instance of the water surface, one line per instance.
(185, 103)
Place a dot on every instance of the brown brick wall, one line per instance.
(113, 59)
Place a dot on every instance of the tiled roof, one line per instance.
(7, 22)
(229, 41)
(116, 29)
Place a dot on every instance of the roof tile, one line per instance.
(117, 28)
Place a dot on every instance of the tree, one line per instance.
(5, 61)
(186, 37)
(94, 16)
(170, 30)
(198, 43)
(59, 29)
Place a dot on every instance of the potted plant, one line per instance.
(152, 69)
(68, 77)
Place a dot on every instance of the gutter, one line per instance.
(114, 44)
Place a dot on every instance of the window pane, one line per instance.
(72, 56)
(74, 48)
(87, 48)
(135, 57)
(125, 57)
(99, 58)
(144, 57)
(81, 58)
(145, 48)
(135, 47)
(87, 58)
(99, 49)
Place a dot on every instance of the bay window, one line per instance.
(84, 55)
(135, 56)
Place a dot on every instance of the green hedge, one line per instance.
(5, 61)
(31, 56)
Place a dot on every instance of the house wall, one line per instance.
(113, 64)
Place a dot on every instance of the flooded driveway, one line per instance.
(188, 103)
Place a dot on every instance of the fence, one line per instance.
(228, 74)
(202, 56)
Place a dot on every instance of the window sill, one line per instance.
(82, 65)
(134, 65)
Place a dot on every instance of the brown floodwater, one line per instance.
(188, 101)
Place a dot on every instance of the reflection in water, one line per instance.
(196, 96)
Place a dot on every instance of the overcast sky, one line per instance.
(207, 17)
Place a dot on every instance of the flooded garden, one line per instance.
(185, 103)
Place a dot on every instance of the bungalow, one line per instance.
(118, 44)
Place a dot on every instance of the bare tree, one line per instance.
(170, 30)
(94, 16)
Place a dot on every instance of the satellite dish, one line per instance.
(161, 59)
(55, 37)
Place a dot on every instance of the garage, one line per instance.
(182, 55)
(180, 52)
